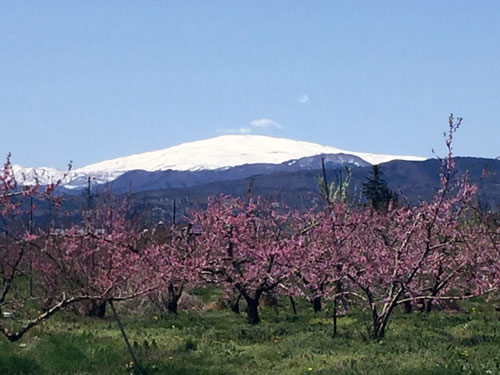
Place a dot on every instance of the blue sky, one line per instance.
(92, 80)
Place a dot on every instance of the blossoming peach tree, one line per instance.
(16, 235)
(429, 252)
(100, 259)
(244, 246)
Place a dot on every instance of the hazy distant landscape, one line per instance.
(155, 180)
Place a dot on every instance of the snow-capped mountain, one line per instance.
(228, 151)
(210, 154)
(44, 175)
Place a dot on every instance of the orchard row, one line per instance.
(376, 259)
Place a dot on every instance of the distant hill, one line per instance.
(414, 180)
(153, 193)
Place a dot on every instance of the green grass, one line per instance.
(221, 343)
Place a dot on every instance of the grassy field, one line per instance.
(219, 342)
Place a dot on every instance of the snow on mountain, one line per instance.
(214, 153)
(44, 175)
(228, 151)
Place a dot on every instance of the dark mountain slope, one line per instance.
(137, 181)
(416, 181)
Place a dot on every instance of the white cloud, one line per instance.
(258, 125)
(304, 98)
(241, 130)
(265, 123)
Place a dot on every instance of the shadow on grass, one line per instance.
(12, 364)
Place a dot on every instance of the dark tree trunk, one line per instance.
(173, 299)
(379, 325)
(294, 308)
(338, 291)
(435, 290)
(317, 304)
(97, 309)
(173, 305)
(408, 307)
(380, 322)
(253, 310)
(235, 305)
(428, 306)
(335, 317)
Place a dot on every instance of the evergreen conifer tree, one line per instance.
(376, 191)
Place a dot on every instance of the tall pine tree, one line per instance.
(376, 191)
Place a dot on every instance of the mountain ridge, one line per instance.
(414, 181)
(216, 153)
(140, 180)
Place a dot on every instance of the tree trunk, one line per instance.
(235, 305)
(317, 304)
(173, 299)
(408, 307)
(338, 291)
(253, 310)
(172, 305)
(97, 309)
(435, 290)
(335, 317)
(379, 325)
(380, 322)
(294, 308)
(428, 306)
